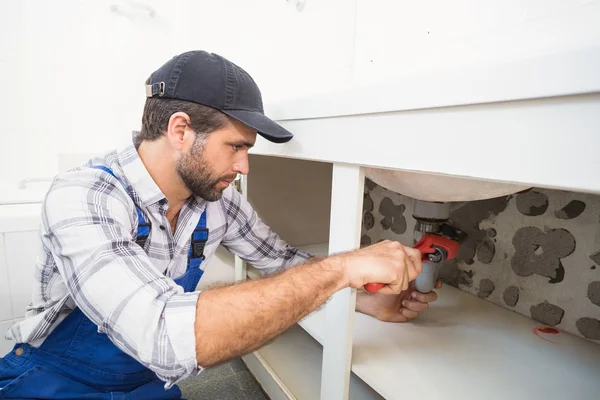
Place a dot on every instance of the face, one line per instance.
(209, 166)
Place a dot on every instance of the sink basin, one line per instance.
(440, 188)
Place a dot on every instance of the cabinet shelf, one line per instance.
(460, 339)
(295, 351)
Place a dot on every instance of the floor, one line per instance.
(229, 381)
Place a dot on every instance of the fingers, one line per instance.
(410, 268)
(403, 266)
(388, 262)
(402, 315)
(400, 285)
(411, 308)
(387, 289)
(409, 314)
(410, 265)
(424, 297)
(438, 284)
(414, 256)
(415, 306)
(393, 317)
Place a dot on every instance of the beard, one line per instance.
(195, 171)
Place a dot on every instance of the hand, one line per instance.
(388, 262)
(396, 307)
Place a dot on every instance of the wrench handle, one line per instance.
(373, 287)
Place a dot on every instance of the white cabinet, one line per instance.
(5, 345)
(6, 309)
(22, 251)
(478, 125)
(461, 335)
(19, 245)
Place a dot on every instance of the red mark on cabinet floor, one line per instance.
(546, 330)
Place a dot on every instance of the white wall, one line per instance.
(73, 70)
(399, 38)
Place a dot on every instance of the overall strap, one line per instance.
(143, 230)
(197, 244)
(199, 236)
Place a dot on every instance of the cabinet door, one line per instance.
(22, 249)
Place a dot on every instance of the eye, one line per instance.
(235, 147)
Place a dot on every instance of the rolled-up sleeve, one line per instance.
(88, 225)
(253, 241)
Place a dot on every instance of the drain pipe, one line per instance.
(436, 240)
(430, 217)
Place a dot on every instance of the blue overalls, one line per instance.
(77, 362)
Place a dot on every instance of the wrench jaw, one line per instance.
(439, 256)
(452, 233)
(435, 249)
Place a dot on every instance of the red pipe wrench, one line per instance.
(433, 248)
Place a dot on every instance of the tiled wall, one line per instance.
(536, 252)
(18, 251)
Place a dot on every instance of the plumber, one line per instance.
(125, 239)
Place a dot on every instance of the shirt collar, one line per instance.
(138, 176)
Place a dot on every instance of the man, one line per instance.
(125, 239)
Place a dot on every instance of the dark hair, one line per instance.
(155, 119)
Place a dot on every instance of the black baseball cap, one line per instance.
(213, 81)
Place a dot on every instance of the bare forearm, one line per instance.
(238, 319)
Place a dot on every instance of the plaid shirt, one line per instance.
(89, 259)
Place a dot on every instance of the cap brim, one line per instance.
(263, 125)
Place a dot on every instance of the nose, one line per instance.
(242, 166)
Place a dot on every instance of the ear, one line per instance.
(179, 132)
